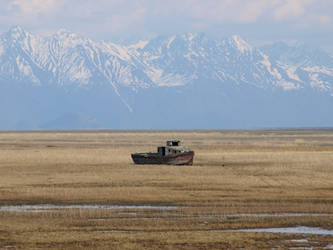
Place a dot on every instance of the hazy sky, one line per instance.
(257, 20)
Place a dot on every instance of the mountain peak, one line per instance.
(241, 44)
(63, 34)
(17, 28)
(297, 53)
(190, 36)
(139, 45)
(17, 32)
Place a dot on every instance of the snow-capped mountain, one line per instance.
(303, 63)
(179, 76)
(298, 54)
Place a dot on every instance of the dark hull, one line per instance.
(155, 158)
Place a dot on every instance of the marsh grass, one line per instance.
(282, 171)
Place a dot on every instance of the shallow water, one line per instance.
(176, 216)
(301, 248)
(299, 241)
(286, 230)
(53, 208)
(279, 215)
(126, 218)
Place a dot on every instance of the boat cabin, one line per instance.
(171, 148)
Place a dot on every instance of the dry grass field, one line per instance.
(238, 177)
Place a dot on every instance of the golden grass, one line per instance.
(233, 172)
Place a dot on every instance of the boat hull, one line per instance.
(155, 158)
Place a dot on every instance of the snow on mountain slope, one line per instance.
(306, 65)
(67, 81)
(67, 59)
(182, 59)
(297, 54)
(64, 58)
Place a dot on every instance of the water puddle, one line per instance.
(301, 248)
(285, 230)
(237, 216)
(53, 208)
(299, 241)
(278, 215)
(126, 218)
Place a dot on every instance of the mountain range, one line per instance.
(183, 81)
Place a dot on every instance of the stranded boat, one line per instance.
(173, 154)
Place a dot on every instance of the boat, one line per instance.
(171, 154)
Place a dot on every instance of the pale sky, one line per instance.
(256, 20)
